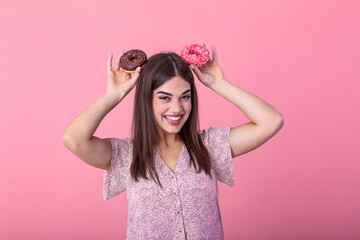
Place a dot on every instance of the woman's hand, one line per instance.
(210, 73)
(119, 82)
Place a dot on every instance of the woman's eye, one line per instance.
(167, 98)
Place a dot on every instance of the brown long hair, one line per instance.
(160, 68)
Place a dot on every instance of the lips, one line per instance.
(173, 119)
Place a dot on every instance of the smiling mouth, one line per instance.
(173, 118)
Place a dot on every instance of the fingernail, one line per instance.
(192, 66)
(139, 69)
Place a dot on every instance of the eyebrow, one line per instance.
(166, 93)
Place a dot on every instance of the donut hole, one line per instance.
(191, 52)
(132, 58)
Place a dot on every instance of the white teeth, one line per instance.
(173, 118)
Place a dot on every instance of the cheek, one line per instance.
(160, 108)
(188, 106)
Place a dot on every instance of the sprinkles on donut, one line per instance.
(195, 54)
(132, 59)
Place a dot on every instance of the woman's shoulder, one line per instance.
(127, 139)
(213, 131)
(214, 134)
(121, 142)
(122, 150)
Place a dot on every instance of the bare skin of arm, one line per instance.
(79, 137)
(266, 121)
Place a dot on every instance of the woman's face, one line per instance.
(171, 104)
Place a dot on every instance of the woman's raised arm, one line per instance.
(266, 121)
(78, 135)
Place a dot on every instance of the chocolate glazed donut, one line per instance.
(132, 59)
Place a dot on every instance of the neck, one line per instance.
(168, 140)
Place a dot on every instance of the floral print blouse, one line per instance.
(187, 207)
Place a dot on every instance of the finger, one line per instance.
(117, 65)
(197, 72)
(136, 76)
(109, 64)
(214, 53)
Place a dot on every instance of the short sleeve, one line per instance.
(115, 179)
(217, 141)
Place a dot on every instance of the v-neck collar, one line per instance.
(178, 160)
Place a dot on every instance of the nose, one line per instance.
(176, 107)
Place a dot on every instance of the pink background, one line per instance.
(303, 57)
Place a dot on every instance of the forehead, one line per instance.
(176, 85)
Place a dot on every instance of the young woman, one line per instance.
(169, 168)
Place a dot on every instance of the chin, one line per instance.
(173, 130)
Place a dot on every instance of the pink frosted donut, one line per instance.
(195, 54)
